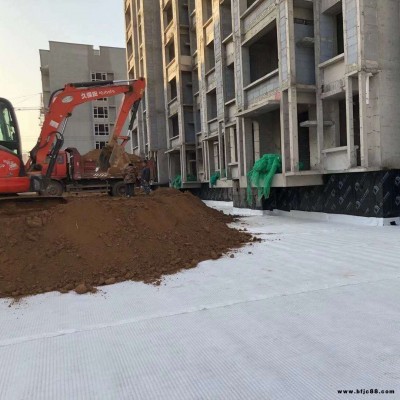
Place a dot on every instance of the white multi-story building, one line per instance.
(314, 81)
(92, 122)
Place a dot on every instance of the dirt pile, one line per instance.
(93, 241)
(94, 155)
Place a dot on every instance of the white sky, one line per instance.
(28, 25)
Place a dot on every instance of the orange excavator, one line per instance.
(35, 176)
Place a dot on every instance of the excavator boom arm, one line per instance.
(63, 102)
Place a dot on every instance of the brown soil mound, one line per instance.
(92, 241)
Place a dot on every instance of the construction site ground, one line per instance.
(311, 309)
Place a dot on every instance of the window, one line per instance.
(170, 52)
(168, 14)
(263, 55)
(207, 9)
(230, 82)
(101, 129)
(210, 57)
(100, 144)
(212, 105)
(100, 112)
(226, 18)
(339, 34)
(7, 128)
(185, 44)
(99, 76)
(172, 89)
(174, 126)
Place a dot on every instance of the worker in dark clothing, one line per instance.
(130, 179)
(145, 177)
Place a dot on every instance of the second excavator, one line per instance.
(35, 176)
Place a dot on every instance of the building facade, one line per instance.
(92, 122)
(144, 59)
(314, 81)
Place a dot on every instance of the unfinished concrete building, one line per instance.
(312, 81)
(178, 86)
(144, 59)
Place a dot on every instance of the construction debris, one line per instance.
(98, 240)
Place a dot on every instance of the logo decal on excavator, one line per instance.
(67, 99)
(11, 165)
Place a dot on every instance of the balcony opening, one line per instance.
(170, 52)
(263, 55)
(265, 133)
(193, 41)
(210, 57)
(226, 18)
(184, 13)
(207, 9)
(230, 82)
(129, 48)
(187, 87)
(172, 91)
(173, 126)
(174, 164)
(191, 164)
(332, 32)
(356, 125)
(168, 14)
(128, 21)
(212, 105)
(339, 34)
(185, 44)
(195, 82)
(189, 125)
(304, 141)
(342, 123)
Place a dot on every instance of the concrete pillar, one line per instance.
(362, 88)
(285, 132)
(293, 129)
(240, 152)
(247, 145)
(183, 163)
(256, 143)
(350, 123)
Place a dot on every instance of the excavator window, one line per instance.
(8, 130)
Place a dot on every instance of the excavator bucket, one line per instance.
(104, 159)
(118, 157)
(112, 157)
(114, 154)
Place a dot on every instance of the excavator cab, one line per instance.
(13, 178)
(9, 132)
